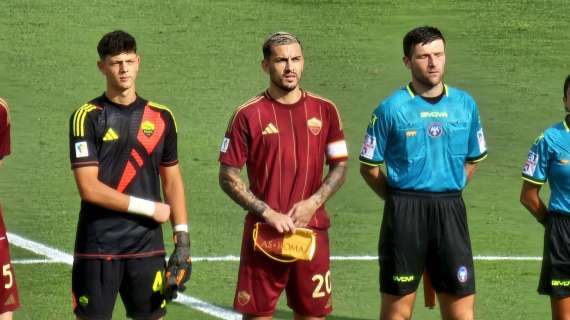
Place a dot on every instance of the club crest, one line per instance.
(243, 298)
(147, 128)
(314, 125)
(435, 129)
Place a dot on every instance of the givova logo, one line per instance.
(402, 278)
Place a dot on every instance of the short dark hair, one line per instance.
(423, 35)
(116, 42)
(278, 39)
(566, 85)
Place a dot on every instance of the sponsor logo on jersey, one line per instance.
(2, 238)
(270, 129)
(530, 165)
(81, 150)
(411, 133)
(433, 114)
(147, 128)
(435, 129)
(110, 135)
(225, 145)
(243, 298)
(314, 125)
(481, 140)
(83, 300)
(462, 274)
(400, 278)
(368, 147)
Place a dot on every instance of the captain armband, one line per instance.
(141, 206)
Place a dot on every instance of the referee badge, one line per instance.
(462, 274)
(435, 129)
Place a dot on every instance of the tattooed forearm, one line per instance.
(334, 179)
(233, 185)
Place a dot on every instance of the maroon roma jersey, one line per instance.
(128, 144)
(284, 148)
(4, 130)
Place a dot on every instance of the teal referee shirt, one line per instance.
(424, 145)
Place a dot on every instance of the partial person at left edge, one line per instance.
(123, 149)
(9, 300)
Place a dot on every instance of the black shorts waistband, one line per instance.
(559, 214)
(425, 194)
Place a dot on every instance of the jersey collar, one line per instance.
(566, 123)
(412, 93)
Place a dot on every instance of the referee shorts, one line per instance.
(555, 273)
(425, 231)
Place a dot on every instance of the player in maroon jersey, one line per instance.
(284, 136)
(9, 300)
(123, 149)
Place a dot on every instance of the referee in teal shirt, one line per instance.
(549, 160)
(429, 138)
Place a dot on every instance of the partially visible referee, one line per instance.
(549, 160)
(428, 136)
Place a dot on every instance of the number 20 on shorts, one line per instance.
(323, 283)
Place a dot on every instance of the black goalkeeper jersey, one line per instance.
(128, 144)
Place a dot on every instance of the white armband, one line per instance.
(141, 206)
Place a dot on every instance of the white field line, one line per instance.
(375, 258)
(33, 261)
(55, 255)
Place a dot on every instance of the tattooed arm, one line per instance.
(233, 185)
(303, 210)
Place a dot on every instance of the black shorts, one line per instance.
(555, 272)
(96, 282)
(425, 231)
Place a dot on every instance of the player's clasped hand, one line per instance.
(161, 212)
(179, 266)
(281, 222)
(302, 212)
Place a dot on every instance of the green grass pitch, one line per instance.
(201, 58)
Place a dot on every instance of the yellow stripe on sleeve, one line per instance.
(163, 107)
(79, 119)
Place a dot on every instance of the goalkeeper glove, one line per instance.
(179, 265)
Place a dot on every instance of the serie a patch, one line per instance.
(225, 144)
(81, 150)
(368, 147)
(481, 141)
(531, 162)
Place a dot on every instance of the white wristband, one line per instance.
(141, 206)
(181, 227)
